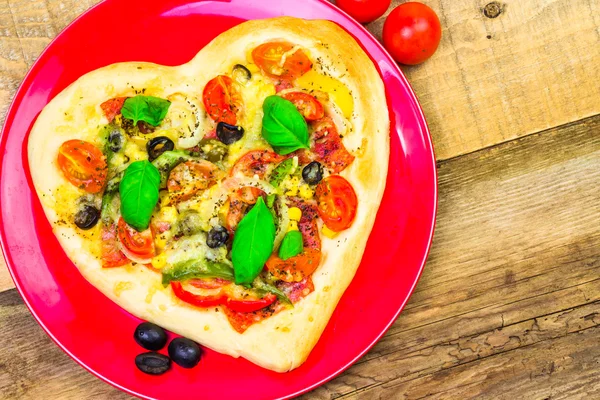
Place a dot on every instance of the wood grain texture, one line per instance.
(508, 306)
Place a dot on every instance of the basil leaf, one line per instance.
(280, 172)
(139, 193)
(283, 127)
(291, 245)
(149, 109)
(196, 269)
(252, 243)
(261, 285)
(167, 161)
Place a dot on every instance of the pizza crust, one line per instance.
(283, 341)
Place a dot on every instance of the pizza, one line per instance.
(228, 199)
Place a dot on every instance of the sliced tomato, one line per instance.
(111, 108)
(112, 256)
(197, 299)
(83, 164)
(251, 305)
(190, 177)
(239, 202)
(337, 202)
(296, 268)
(308, 105)
(281, 60)
(327, 145)
(255, 162)
(212, 283)
(137, 246)
(222, 100)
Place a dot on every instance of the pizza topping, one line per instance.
(250, 305)
(111, 108)
(312, 173)
(337, 202)
(87, 217)
(282, 171)
(149, 109)
(190, 177)
(296, 268)
(291, 245)
(240, 201)
(189, 223)
(212, 150)
(217, 237)
(328, 146)
(310, 108)
(222, 100)
(137, 246)
(241, 74)
(114, 139)
(83, 164)
(283, 127)
(281, 60)
(198, 300)
(339, 93)
(158, 145)
(229, 134)
(253, 243)
(255, 162)
(112, 256)
(139, 193)
(167, 161)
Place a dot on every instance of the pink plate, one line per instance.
(96, 332)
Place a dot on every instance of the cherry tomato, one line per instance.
(112, 256)
(222, 100)
(83, 164)
(250, 305)
(197, 300)
(412, 33)
(310, 108)
(137, 246)
(337, 202)
(296, 268)
(255, 162)
(111, 108)
(268, 58)
(364, 11)
(190, 177)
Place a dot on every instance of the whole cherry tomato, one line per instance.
(364, 11)
(337, 202)
(412, 33)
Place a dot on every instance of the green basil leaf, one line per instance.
(280, 172)
(196, 269)
(291, 245)
(283, 127)
(167, 161)
(139, 193)
(271, 200)
(149, 109)
(252, 243)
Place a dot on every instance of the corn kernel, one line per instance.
(168, 214)
(306, 192)
(328, 232)
(253, 68)
(294, 213)
(160, 242)
(159, 261)
(292, 186)
(293, 226)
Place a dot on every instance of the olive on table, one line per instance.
(241, 74)
(184, 352)
(158, 145)
(217, 237)
(152, 363)
(312, 173)
(229, 134)
(150, 336)
(87, 217)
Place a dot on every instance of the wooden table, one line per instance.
(509, 304)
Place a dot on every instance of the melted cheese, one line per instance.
(340, 94)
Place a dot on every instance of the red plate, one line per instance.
(96, 332)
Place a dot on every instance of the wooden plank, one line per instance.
(517, 245)
(515, 299)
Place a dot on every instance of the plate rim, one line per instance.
(10, 116)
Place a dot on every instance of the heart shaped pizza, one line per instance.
(228, 199)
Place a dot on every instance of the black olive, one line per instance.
(150, 336)
(213, 150)
(152, 363)
(229, 134)
(184, 352)
(87, 217)
(158, 145)
(115, 139)
(241, 74)
(145, 127)
(312, 173)
(217, 237)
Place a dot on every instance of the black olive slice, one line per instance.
(229, 134)
(158, 145)
(87, 217)
(312, 173)
(241, 74)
